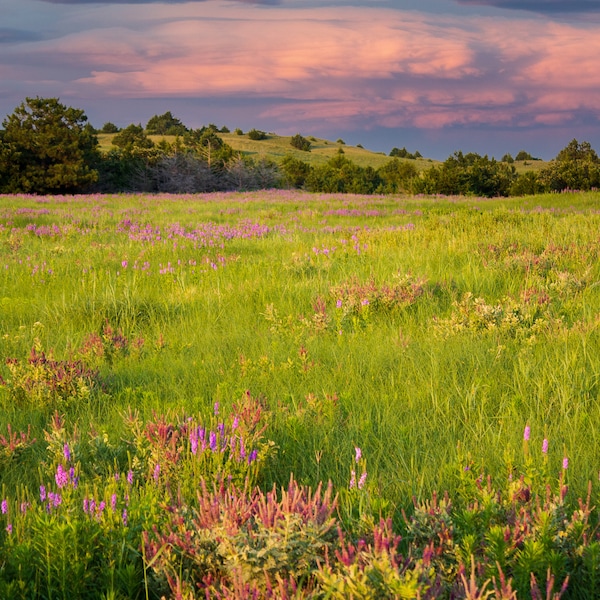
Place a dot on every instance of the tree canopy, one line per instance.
(47, 147)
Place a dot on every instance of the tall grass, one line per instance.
(427, 331)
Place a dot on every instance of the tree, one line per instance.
(132, 139)
(295, 171)
(206, 143)
(47, 147)
(256, 134)
(522, 156)
(396, 176)
(576, 167)
(165, 124)
(109, 128)
(300, 143)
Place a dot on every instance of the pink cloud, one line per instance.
(380, 66)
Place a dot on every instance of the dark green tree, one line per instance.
(576, 167)
(257, 134)
(133, 139)
(47, 147)
(209, 146)
(109, 128)
(295, 171)
(300, 143)
(396, 176)
(165, 124)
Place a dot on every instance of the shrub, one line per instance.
(256, 134)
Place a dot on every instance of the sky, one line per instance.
(485, 76)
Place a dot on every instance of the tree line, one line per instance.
(47, 147)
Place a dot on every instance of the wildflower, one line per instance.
(124, 517)
(526, 433)
(130, 477)
(212, 441)
(361, 481)
(42, 493)
(194, 440)
(113, 502)
(156, 473)
(545, 446)
(252, 457)
(86, 506)
(61, 477)
(9, 528)
(124, 264)
(364, 302)
(352, 479)
(357, 454)
(4, 506)
(565, 464)
(235, 424)
(67, 452)
(242, 449)
(338, 304)
(216, 409)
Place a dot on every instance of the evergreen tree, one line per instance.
(47, 147)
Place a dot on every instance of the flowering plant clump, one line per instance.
(514, 318)
(178, 455)
(43, 380)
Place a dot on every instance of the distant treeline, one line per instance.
(46, 147)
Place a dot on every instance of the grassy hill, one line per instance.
(275, 147)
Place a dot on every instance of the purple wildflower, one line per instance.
(42, 493)
(67, 452)
(352, 479)
(252, 457)
(242, 449)
(86, 506)
(357, 454)
(565, 464)
(338, 304)
(156, 473)
(212, 441)
(74, 480)
(4, 506)
(526, 433)
(124, 517)
(216, 409)
(130, 477)
(545, 446)
(194, 440)
(61, 477)
(361, 481)
(235, 424)
(9, 528)
(113, 502)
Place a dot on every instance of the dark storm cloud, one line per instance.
(549, 7)
(265, 2)
(13, 36)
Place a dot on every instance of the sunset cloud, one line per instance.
(300, 67)
(541, 6)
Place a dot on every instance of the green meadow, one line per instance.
(171, 360)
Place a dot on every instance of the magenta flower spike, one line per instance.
(357, 454)
(526, 433)
(565, 463)
(4, 506)
(545, 446)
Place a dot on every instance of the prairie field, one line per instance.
(161, 349)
